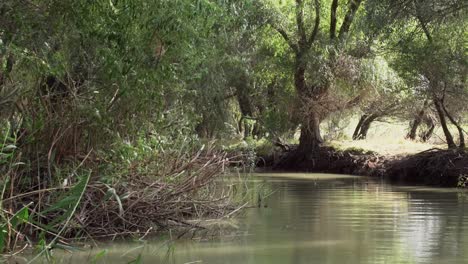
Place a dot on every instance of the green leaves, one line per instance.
(10, 226)
(65, 207)
(22, 216)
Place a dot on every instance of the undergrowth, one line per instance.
(137, 188)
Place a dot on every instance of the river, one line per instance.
(320, 218)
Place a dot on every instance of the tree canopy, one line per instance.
(92, 72)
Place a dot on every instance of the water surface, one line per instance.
(318, 218)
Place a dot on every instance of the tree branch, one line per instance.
(317, 24)
(334, 7)
(425, 29)
(419, 17)
(349, 17)
(300, 22)
(285, 36)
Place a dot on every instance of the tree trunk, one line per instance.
(257, 131)
(204, 129)
(426, 135)
(310, 138)
(455, 123)
(299, 77)
(359, 125)
(240, 125)
(417, 122)
(241, 83)
(363, 126)
(443, 123)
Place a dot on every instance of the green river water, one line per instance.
(319, 218)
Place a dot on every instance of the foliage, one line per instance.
(101, 86)
(117, 94)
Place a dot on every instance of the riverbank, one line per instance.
(145, 197)
(433, 167)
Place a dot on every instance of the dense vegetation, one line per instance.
(120, 101)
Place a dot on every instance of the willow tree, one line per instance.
(386, 95)
(428, 42)
(301, 25)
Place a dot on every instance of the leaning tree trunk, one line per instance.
(363, 126)
(417, 122)
(443, 123)
(358, 126)
(427, 134)
(455, 123)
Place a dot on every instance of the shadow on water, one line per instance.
(317, 218)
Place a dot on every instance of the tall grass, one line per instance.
(23, 214)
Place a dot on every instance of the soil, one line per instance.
(437, 167)
(434, 167)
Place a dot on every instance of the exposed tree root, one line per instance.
(432, 167)
(329, 160)
(436, 167)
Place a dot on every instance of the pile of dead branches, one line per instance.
(153, 194)
(143, 203)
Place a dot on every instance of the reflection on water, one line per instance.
(313, 218)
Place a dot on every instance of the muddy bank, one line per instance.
(435, 167)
